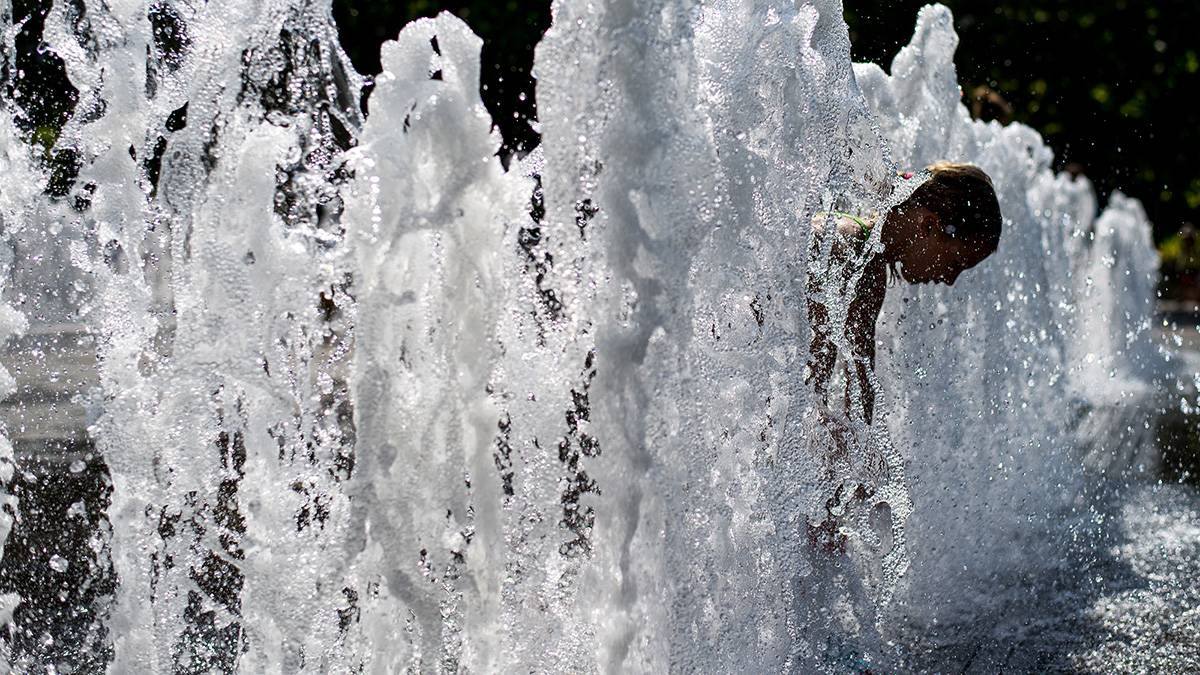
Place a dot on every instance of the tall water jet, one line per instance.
(1007, 383)
(209, 140)
(715, 136)
(14, 203)
(434, 222)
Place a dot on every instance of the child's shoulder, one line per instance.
(849, 226)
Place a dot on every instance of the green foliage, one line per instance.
(1179, 254)
(45, 135)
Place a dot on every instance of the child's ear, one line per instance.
(929, 220)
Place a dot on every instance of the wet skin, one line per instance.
(923, 252)
(930, 255)
(916, 243)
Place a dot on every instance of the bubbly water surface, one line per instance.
(359, 399)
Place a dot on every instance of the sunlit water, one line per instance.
(299, 389)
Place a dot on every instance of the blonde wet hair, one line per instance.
(963, 199)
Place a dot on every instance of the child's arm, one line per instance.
(860, 333)
(821, 360)
(822, 351)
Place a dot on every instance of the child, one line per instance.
(949, 224)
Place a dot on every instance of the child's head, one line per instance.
(948, 225)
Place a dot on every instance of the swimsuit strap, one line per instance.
(866, 227)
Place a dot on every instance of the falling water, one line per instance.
(357, 397)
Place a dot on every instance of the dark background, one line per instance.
(1104, 81)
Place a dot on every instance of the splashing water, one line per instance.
(1030, 367)
(369, 401)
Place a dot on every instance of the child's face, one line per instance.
(933, 256)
